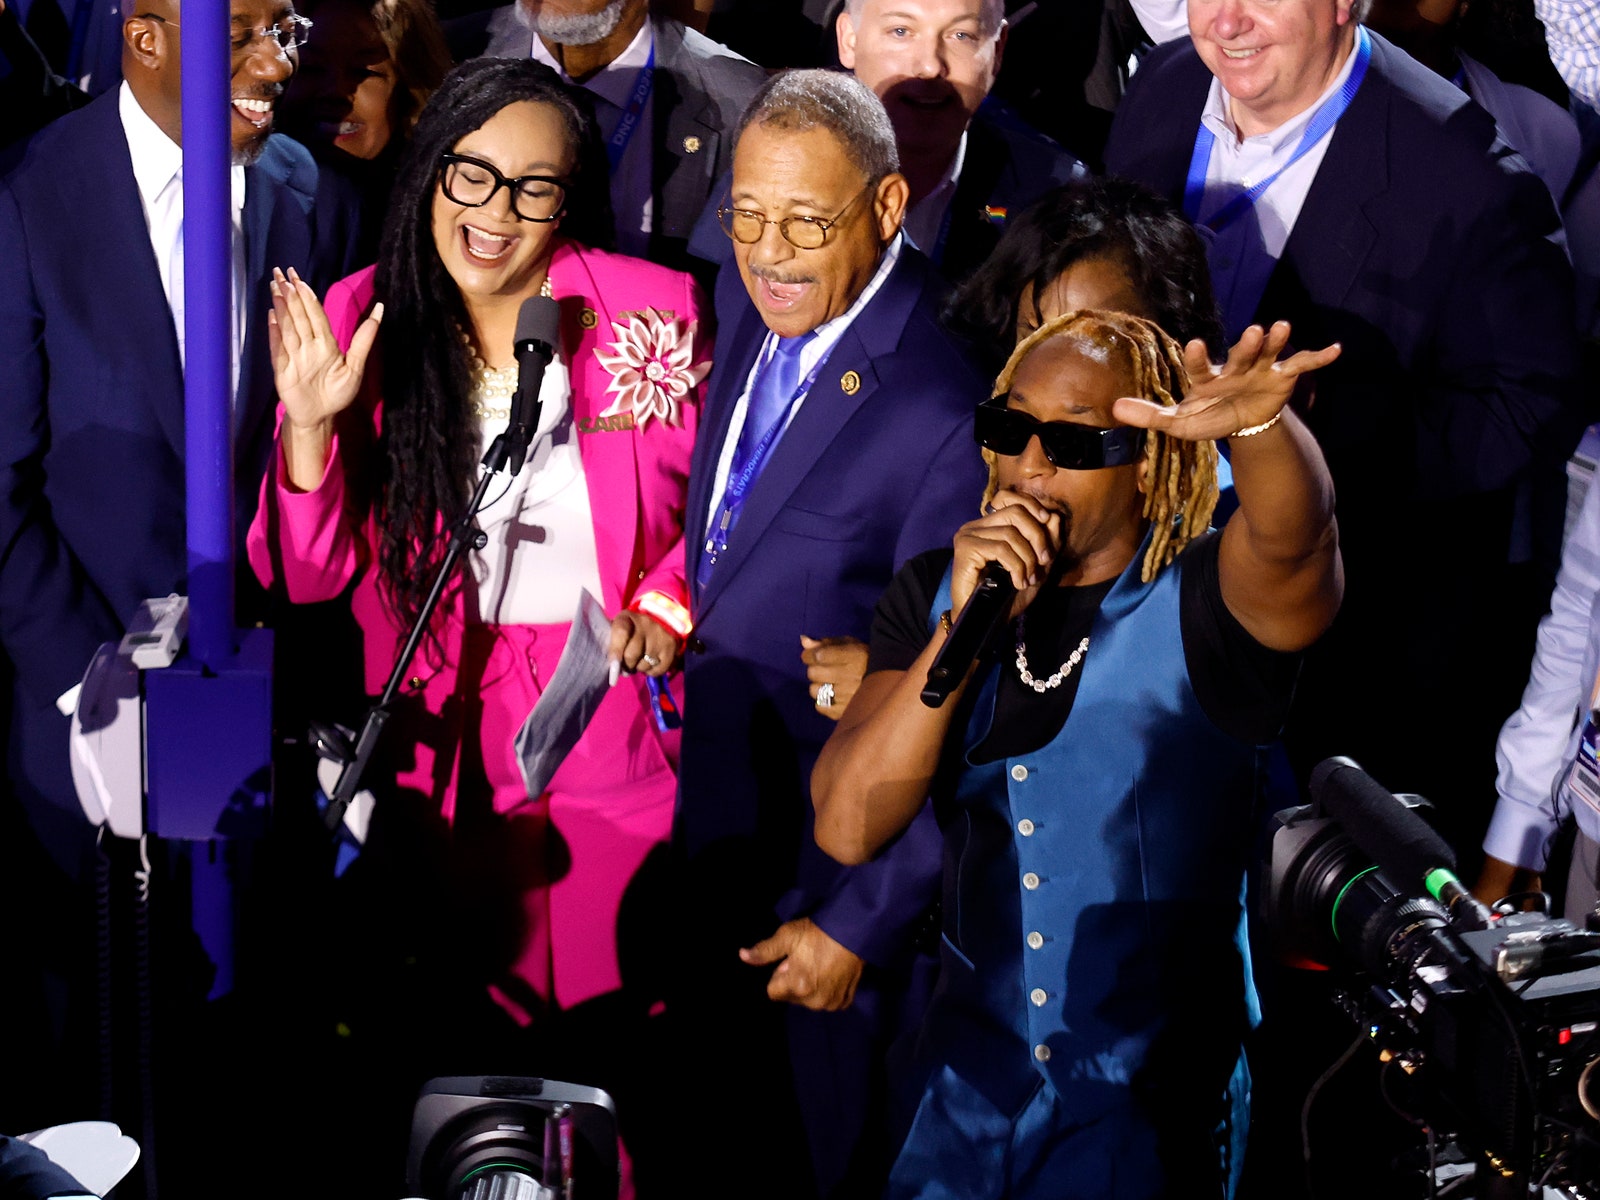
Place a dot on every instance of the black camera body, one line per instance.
(1498, 1029)
(479, 1136)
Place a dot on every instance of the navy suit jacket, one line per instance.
(1426, 248)
(878, 464)
(91, 401)
(26, 1173)
(1007, 167)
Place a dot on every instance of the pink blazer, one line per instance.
(617, 790)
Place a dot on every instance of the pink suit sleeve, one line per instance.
(306, 542)
(667, 574)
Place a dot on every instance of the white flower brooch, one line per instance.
(652, 367)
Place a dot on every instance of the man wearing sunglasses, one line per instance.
(835, 444)
(92, 505)
(1095, 773)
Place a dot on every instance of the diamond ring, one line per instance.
(825, 696)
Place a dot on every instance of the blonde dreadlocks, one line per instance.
(1180, 476)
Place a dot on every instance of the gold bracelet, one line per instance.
(945, 623)
(1252, 430)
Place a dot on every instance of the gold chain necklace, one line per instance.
(1044, 685)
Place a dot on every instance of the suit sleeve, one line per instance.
(26, 1173)
(52, 617)
(1534, 746)
(877, 906)
(666, 575)
(1501, 394)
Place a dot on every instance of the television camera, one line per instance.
(495, 1137)
(1493, 1014)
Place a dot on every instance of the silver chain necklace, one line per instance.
(1044, 685)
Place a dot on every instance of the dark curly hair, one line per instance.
(1109, 218)
(428, 449)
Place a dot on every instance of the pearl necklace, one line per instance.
(1044, 685)
(493, 387)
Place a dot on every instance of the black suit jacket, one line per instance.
(1425, 248)
(1007, 168)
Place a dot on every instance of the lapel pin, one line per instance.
(588, 319)
(850, 384)
(691, 144)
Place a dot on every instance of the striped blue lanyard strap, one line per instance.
(633, 115)
(741, 475)
(1322, 123)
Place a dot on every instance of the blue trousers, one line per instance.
(961, 1147)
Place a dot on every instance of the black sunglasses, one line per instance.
(1068, 446)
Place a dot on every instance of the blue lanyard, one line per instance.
(1322, 123)
(737, 485)
(633, 114)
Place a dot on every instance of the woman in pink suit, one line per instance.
(370, 471)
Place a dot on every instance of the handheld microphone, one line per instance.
(979, 617)
(1400, 842)
(538, 329)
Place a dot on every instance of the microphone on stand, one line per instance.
(538, 329)
(983, 612)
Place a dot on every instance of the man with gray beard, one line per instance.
(663, 98)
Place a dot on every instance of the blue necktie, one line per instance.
(771, 396)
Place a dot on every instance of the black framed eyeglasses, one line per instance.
(746, 226)
(472, 183)
(1067, 445)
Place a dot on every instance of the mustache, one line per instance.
(772, 276)
(1047, 502)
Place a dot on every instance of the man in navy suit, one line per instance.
(1398, 224)
(837, 443)
(92, 419)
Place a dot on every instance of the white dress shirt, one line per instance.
(1244, 253)
(1164, 20)
(811, 356)
(631, 193)
(1538, 744)
(926, 216)
(157, 170)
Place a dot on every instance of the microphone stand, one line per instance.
(508, 447)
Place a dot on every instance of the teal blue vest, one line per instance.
(1093, 925)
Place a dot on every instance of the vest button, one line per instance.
(1025, 827)
(1042, 1052)
(1036, 940)
(1030, 881)
(1019, 772)
(1038, 996)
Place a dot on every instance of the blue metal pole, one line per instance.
(209, 330)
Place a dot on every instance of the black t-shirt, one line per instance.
(1242, 685)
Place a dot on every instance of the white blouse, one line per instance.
(540, 551)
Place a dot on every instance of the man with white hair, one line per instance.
(933, 63)
(664, 97)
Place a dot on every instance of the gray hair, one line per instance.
(991, 14)
(831, 100)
